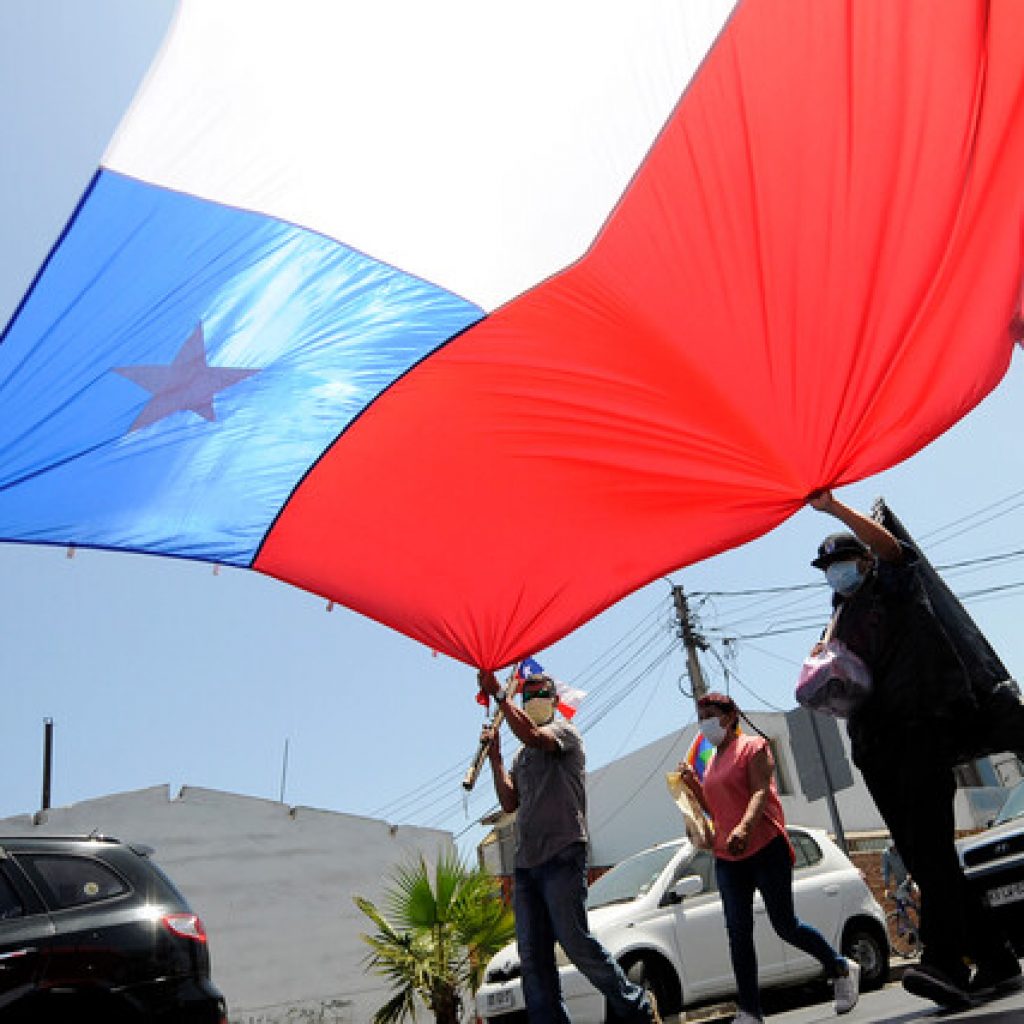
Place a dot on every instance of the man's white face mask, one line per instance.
(540, 710)
(845, 577)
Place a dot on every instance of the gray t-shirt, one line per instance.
(552, 798)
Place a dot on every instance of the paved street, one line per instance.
(892, 1005)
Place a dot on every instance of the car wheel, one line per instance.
(865, 945)
(648, 977)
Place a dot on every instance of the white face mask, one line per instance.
(714, 731)
(540, 710)
(844, 577)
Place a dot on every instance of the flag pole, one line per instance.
(473, 771)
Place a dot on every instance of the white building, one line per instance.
(629, 808)
(273, 885)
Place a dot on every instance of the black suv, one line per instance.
(993, 862)
(92, 929)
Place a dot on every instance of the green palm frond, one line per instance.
(375, 916)
(449, 876)
(412, 901)
(440, 928)
(397, 1008)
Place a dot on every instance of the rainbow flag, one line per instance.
(698, 757)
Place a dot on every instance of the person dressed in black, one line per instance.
(902, 740)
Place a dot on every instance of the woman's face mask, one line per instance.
(844, 577)
(714, 731)
(540, 710)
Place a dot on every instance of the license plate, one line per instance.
(1006, 894)
(503, 999)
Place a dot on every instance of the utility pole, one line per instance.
(284, 770)
(692, 641)
(47, 760)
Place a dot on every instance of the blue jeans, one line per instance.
(770, 871)
(549, 903)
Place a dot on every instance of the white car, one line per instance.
(660, 915)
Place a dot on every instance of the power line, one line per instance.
(1003, 556)
(394, 806)
(931, 535)
(816, 622)
(602, 659)
(411, 802)
(732, 626)
(973, 595)
(765, 652)
(631, 646)
(755, 591)
(801, 627)
(733, 674)
(614, 700)
(640, 714)
(593, 716)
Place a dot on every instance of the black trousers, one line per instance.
(913, 788)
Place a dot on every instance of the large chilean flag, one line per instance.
(476, 316)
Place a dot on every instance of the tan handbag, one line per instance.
(699, 828)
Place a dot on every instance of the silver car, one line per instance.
(993, 862)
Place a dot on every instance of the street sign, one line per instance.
(821, 762)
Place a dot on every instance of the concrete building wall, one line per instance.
(273, 885)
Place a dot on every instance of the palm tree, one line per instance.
(434, 940)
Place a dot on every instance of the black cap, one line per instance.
(838, 547)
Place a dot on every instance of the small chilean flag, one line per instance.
(569, 697)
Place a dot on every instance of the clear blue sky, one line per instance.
(158, 671)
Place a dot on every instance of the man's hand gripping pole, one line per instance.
(473, 771)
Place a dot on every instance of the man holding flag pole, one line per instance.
(546, 787)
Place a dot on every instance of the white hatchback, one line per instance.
(660, 915)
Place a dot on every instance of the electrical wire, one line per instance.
(627, 649)
(934, 536)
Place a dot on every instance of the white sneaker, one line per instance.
(746, 1018)
(848, 988)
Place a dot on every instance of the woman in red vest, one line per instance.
(752, 852)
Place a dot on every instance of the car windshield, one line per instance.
(631, 878)
(1014, 806)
